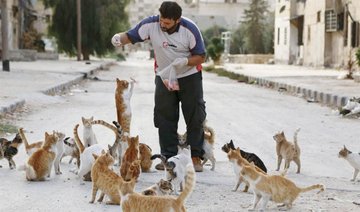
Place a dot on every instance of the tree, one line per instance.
(100, 20)
(215, 49)
(214, 31)
(238, 41)
(255, 26)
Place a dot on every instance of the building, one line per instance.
(316, 33)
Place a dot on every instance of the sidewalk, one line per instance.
(27, 79)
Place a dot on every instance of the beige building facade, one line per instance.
(316, 33)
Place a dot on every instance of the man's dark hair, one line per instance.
(170, 10)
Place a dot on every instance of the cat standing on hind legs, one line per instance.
(352, 158)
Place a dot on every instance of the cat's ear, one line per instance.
(231, 142)
(46, 135)
(109, 147)
(103, 152)
(83, 120)
(188, 147)
(91, 118)
(238, 149)
(95, 156)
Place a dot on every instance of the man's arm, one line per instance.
(196, 60)
(120, 39)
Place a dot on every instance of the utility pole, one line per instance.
(78, 7)
(5, 36)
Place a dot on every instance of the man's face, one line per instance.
(168, 25)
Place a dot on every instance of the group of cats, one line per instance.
(95, 163)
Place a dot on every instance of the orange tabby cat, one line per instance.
(131, 155)
(276, 188)
(105, 179)
(239, 162)
(132, 201)
(40, 162)
(122, 102)
(287, 150)
(29, 148)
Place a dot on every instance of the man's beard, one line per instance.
(170, 30)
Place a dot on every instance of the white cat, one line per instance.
(352, 158)
(89, 137)
(59, 151)
(70, 149)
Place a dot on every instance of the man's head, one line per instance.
(170, 13)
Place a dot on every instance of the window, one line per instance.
(330, 21)
(285, 36)
(309, 33)
(278, 36)
(318, 19)
(355, 33)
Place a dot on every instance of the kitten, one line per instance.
(59, 151)
(29, 148)
(276, 188)
(208, 146)
(9, 149)
(88, 133)
(122, 101)
(238, 163)
(352, 158)
(132, 201)
(288, 151)
(175, 167)
(105, 179)
(131, 155)
(41, 161)
(71, 149)
(86, 156)
(161, 188)
(251, 157)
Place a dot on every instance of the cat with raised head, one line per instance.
(86, 156)
(40, 163)
(71, 149)
(131, 155)
(132, 201)
(352, 158)
(175, 166)
(161, 188)
(273, 187)
(29, 148)
(208, 146)
(251, 157)
(105, 179)
(122, 101)
(287, 150)
(9, 149)
(89, 137)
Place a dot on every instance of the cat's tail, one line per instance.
(208, 130)
(77, 139)
(189, 183)
(295, 139)
(117, 131)
(317, 186)
(162, 157)
(23, 137)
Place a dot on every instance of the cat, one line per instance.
(40, 163)
(132, 201)
(352, 158)
(88, 133)
(131, 155)
(287, 150)
(122, 101)
(208, 146)
(276, 188)
(105, 179)
(86, 157)
(175, 166)
(238, 161)
(71, 149)
(29, 148)
(161, 188)
(10, 148)
(145, 157)
(251, 157)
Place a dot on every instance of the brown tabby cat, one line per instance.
(29, 148)
(161, 188)
(287, 150)
(40, 162)
(276, 188)
(8, 149)
(105, 179)
(239, 162)
(131, 155)
(132, 201)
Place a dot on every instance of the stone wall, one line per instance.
(31, 55)
(251, 58)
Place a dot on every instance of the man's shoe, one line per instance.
(197, 164)
(159, 166)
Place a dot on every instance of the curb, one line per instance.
(328, 99)
(58, 88)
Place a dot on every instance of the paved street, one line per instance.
(248, 114)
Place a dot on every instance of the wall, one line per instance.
(251, 58)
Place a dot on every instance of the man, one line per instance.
(178, 45)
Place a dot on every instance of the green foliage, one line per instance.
(100, 19)
(255, 26)
(224, 73)
(357, 56)
(214, 31)
(237, 45)
(215, 49)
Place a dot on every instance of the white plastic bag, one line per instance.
(169, 78)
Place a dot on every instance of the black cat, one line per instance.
(251, 157)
